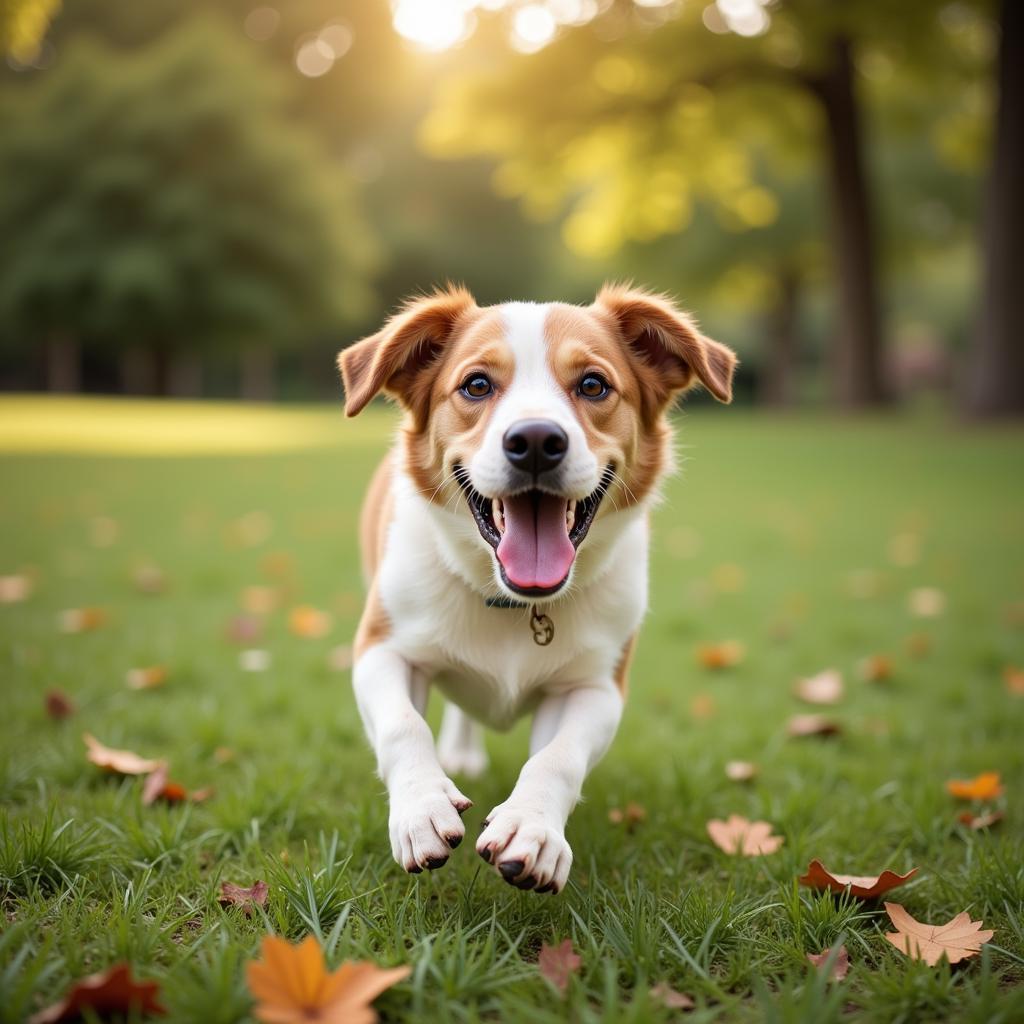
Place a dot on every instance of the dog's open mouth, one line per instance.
(534, 534)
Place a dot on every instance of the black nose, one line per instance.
(535, 445)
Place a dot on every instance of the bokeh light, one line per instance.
(261, 23)
(533, 27)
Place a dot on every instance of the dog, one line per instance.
(504, 541)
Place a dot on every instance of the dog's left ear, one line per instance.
(393, 359)
(667, 341)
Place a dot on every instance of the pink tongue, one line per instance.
(535, 549)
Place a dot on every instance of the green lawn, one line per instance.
(789, 535)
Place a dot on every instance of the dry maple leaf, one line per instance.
(740, 771)
(800, 726)
(1014, 679)
(293, 986)
(956, 940)
(723, 655)
(59, 705)
(668, 997)
(980, 821)
(305, 620)
(558, 963)
(148, 678)
(824, 688)
(123, 762)
(986, 786)
(840, 966)
(864, 887)
(232, 895)
(109, 992)
(630, 816)
(738, 835)
(81, 620)
(158, 787)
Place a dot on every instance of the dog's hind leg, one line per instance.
(460, 744)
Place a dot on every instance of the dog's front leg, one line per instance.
(525, 836)
(425, 818)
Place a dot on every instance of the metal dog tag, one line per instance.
(543, 628)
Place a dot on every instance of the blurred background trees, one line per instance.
(235, 186)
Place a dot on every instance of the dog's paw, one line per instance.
(525, 848)
(425, 823)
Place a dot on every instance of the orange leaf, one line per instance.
(305, 620)
(148, 678)
(669, 998)
(1014, 679)
(15, 589)
(981, 821)
(723, 655)
(985, 786)
(740, 771)
(238, 896)
(703, 706)
(259, 600)
(558, 963)
(876, 669)
(124, 762)
(840, 966)
(110, 992)
(59, 705)
(158, 787)
(293, 986)
(630, 816)
(956, 940)
(738, 835)
(824, 688)
(81, 620)
(800, 726)
(864, 887)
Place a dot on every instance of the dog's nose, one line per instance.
(535, 445)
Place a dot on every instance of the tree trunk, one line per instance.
(185, 375)
(776, 385)
(138, 371)
(63, 365)
(996, 376)
(258, 374)
(857, 351)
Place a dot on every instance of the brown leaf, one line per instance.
(986, 786)
(81, 620)
(1014, 679)
(123, 762)
(876, 669)
(259, 600)
(245, 899)
(149, 579)
(956, 940)
(15, 588)
(918, 645)
(926, 602)
(800, 726)
(738, 835)
(307, 621)
(719, 656)
(630, 816)
(740, 771)
(840, 966)
(824, 688)
(113, 991)
(558, 963)
(864, 887)
(669, 998)
(158, 787)
(148, 678)
(59, 705)
(293, 986)
(978, 823)
(703, 707)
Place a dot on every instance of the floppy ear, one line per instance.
(392, 360)
(667, 341)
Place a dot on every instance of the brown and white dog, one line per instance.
(505, 542)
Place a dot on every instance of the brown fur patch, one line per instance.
(622, 666)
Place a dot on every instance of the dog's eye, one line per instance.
(592, 386)
(476, 386)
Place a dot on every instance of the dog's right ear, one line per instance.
(393, 359)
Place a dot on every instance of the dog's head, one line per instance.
(544, 417)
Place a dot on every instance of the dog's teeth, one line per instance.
(498, 514)
(570, 514)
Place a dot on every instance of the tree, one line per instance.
(164, 205)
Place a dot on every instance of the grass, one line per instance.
(799, 537)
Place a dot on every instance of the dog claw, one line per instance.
(453, 840)
(511, 869)
(436, 862)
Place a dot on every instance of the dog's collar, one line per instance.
(540, 624)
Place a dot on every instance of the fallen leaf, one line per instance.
(718, 656)
(259, 600)
(738, 835)
(956, 940)
(113, 991)
(978, 823)
(243, 629)
(149, 579)
(800, 726)
(197, 796)
(919, 645)
(740, 771)
(148, 678)
(158, 787)
(875, 669)
(864, 887)
(59, 705)
(15, 588)
(986, 786)
(702, 706)
(669, 998)
(824, 688)
(340, 658)
(558, 963)
(81, 620)
(1014, 679)
(307, 621)
(630, 816)
(123, 762)
(232, 895)
(278, 565)
(840, 966)
(254, 660)
(293, 986)
(926, 602)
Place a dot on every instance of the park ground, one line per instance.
(814, 542)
